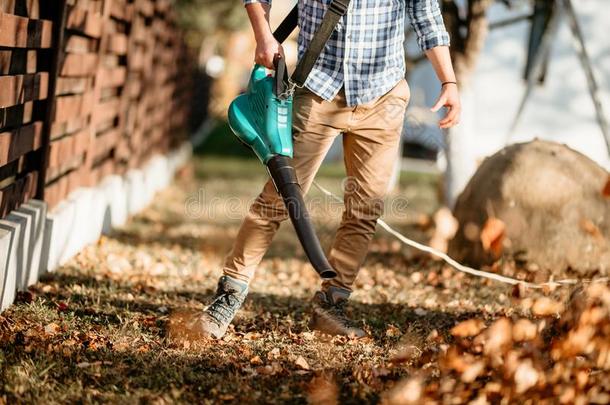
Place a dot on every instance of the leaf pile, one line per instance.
(560, 355)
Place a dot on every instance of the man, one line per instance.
(356, 88)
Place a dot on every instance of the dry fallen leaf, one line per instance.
(445, 228)
(446, 224)
(52, 328)
(392, 331)
(407, 392)
(469, 328)
(524, 330)
(472, 371)
(301, 363)
(274, 354)
(439, 243)
(526, 376)
(498, 336)
(546, 306)
(492, 236)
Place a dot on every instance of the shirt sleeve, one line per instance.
(427, 21)
(257, 1)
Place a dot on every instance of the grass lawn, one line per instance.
(96, 329)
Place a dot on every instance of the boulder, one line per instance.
(540, 202)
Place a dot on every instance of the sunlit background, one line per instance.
(558, 108)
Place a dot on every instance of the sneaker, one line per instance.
(216, 318)
(329, 313)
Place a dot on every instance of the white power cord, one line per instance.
(458, 266)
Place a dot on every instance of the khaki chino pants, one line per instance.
(371, 135)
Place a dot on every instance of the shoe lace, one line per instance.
(222, 309)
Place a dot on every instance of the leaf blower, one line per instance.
(262, 120)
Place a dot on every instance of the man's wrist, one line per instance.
(263, 35)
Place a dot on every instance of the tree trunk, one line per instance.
(465, 51)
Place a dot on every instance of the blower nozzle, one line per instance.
(287, 185)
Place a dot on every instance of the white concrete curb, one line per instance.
(33, 241)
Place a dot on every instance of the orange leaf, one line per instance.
(545, 306)
(468, 328)
(524, 330)
(492, 235)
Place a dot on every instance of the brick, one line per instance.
(73, 85)
(114, 77)
(75, 64)
(86, 22)
(105, 142)
(21, 32)
(16, 115)
(145, 7)
(79, 44)
(17, 61)
(7, 6)
(117, 44)
(106, 110)
(73, 107)
(16, 143)
(22, 88)
(14, 194)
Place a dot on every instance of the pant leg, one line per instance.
(316, 123)
(370, 150)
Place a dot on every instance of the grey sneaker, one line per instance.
(329, 315)
(216, 318)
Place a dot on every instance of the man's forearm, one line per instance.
(259, 18)
(441, 62)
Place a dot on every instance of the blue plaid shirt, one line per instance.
(365, 53)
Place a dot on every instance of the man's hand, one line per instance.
(266, 45)
(441, 62)
(449, 98)
(266, 49)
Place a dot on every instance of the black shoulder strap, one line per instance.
(288, 25)
(336, 10)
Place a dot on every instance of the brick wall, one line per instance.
(88, 88)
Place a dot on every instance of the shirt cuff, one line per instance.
(246, 2)
(434, 39)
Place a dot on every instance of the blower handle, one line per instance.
(285, 180)
(281, 76)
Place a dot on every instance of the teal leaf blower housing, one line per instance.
(262, 120)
